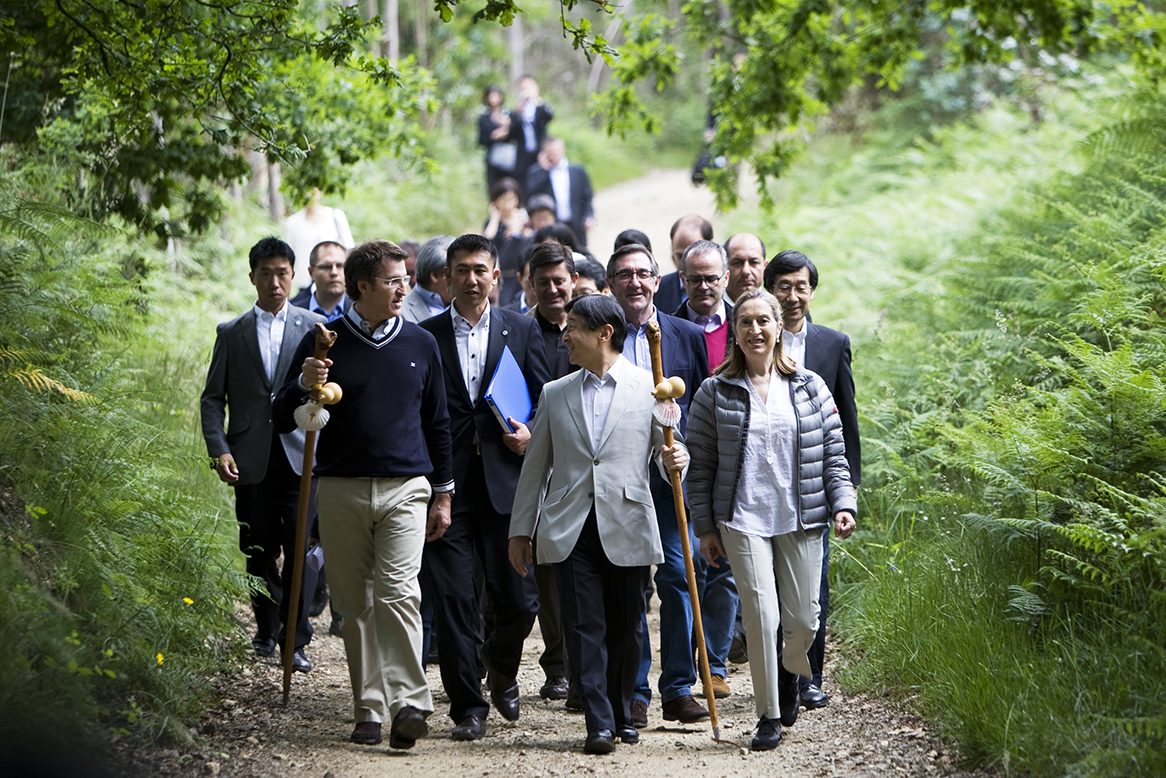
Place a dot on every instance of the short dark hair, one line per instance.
(786, 262)
(550, 254)
(271, 247)
(504, 185)
(560, 232)
(598, 309)
(365, 260)
(739, 234)
(631, 248)
(410, 246)
(632, 236)
(491, 88)
(706, 229)
(471, 243)
(314, 257)
(589, 268)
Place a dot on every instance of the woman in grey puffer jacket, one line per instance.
(769, 472)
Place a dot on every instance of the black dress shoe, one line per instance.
(813, 697)
(627, 735)
(409, 726)
(599, 742)
(300, 663)
(263, 646)
(319, 602)
(470, 728)
(336, 628)
(503, 691)
(555, 688)
(574, 698)
(768, 735)
(789, 696)
(366, 733)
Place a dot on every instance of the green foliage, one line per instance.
(117, 591)
(1011, 570)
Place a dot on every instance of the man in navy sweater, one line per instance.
(385, 451)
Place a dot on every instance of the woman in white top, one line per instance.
(768, 473)
(313, 225)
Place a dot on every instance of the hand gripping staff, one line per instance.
(667, 412)
(311, 416)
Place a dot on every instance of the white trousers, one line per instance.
(373, 533)
(792, 565)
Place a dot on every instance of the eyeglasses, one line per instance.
(623, 276)
(394, 283)
(699, 281)
(784, 288)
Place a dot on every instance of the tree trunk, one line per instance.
(612, 30)
(421, 32)
(391, 43)
(517, 46)
(275, 197)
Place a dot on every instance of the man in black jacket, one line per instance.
(568, 184)
(487, 460)
(792, 277)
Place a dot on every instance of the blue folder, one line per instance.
(507, 393)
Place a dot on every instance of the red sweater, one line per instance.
(716, 341)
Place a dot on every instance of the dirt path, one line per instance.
(650, 204)
(248, 734)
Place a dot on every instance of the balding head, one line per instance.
(746, 255)
(686, 231)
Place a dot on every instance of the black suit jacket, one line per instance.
(542, 117)
(304, 298)
(683, 353)
(671, 293)
(468, 416)
(828, 355)
(538, 181)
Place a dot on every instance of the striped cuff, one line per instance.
(445, 487)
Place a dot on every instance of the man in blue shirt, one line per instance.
(325, 295)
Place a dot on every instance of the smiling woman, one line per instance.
(763, 503)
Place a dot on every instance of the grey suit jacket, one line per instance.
(612, 477)
(414, 308)
(237, 378)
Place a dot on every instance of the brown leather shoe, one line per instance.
(639, 718)
(685, 709)
(720, 688)
(367, 733)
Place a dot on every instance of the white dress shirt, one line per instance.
(472, 343)
(767, 501)
(794, 344)
(561, 187)
(597, 396)
(707, 323)
(376, 333)
(635, 347)
(269, 327)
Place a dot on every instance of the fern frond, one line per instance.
(37, 381)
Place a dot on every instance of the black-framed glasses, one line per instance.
(702, 280)
(627, 274)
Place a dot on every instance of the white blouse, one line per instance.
(768, 491)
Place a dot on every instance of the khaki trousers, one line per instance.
(373, 533)
(792, 565)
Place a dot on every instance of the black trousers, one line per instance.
(448, 564)
(267, 525)
(603, 605)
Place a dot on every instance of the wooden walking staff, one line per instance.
(311, 416)
(668, 413)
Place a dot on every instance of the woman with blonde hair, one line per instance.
(768, 473)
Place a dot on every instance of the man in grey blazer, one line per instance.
(431, 295)
(583, 494)
(251, 356)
